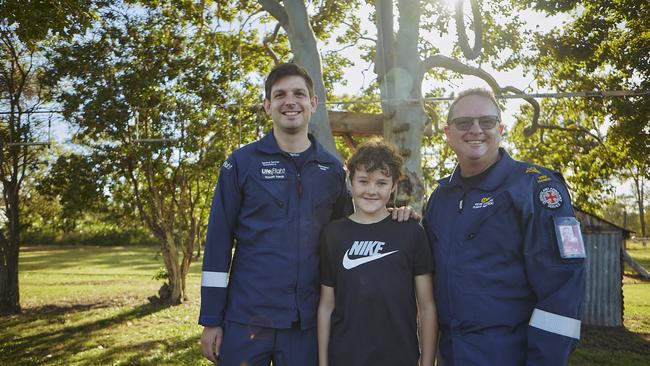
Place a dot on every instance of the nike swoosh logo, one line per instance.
(351, 263)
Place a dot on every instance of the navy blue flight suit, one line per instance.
(272, 213)
(505, 296)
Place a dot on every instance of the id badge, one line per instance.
(569, 237)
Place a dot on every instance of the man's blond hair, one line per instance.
(474, 91)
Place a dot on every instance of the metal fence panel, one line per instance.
(603, 300)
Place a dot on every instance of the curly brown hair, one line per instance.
(374, 155)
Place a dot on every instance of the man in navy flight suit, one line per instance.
(508, 285)
(272, 199)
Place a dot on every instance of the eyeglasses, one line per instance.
(485, 122)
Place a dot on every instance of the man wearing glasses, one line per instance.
(509, 289)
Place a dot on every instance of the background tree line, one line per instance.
(157, 94)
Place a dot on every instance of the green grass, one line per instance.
(89, 306)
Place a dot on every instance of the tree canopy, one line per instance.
(159, 93)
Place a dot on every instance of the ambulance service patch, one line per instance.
(550, 197)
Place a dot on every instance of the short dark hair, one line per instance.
(281, 71)
(474, 91)
(377, 155)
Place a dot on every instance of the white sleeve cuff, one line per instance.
(554, 323)
(214, 279)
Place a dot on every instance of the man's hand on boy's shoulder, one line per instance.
(403, 213)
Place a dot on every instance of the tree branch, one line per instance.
(409, 31)
(459, 67)
(267, 44)
(469, 52)
(276, 10)
(324, 12)
(569, 129)
(534, 125)
(248, 18)
(144, 217)
(359, 34)
(385, 58)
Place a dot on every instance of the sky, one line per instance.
(361, 75)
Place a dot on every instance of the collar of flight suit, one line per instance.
(493, 178)
(269, 145)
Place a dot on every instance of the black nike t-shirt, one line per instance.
(372, 268)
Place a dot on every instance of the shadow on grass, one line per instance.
(168, 352)
(58, 344)
(60, 258)
(611, 346)
(65, 309)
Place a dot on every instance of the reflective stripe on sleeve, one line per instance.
(214, 279)
(554, 323)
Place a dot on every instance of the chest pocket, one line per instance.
(489, 211)
(496, 228)
(325, 194)
(267, 195)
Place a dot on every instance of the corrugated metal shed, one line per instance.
(603, 242)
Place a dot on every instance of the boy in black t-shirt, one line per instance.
(375, 275)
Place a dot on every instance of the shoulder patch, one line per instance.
(550, 197)
(543, 178)
(532, 169)
(227, 165)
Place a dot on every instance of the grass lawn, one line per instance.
(89, 306)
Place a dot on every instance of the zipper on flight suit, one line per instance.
(460, 203)
(299, 190)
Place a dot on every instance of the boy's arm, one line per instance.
(428, 318)
(325, 308)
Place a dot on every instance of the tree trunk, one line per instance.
(399, 71)
(9, 290)
(176, 288)
(405, 131)
(638, 179)
(642, 208)
(294, 19)
(185, 265)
